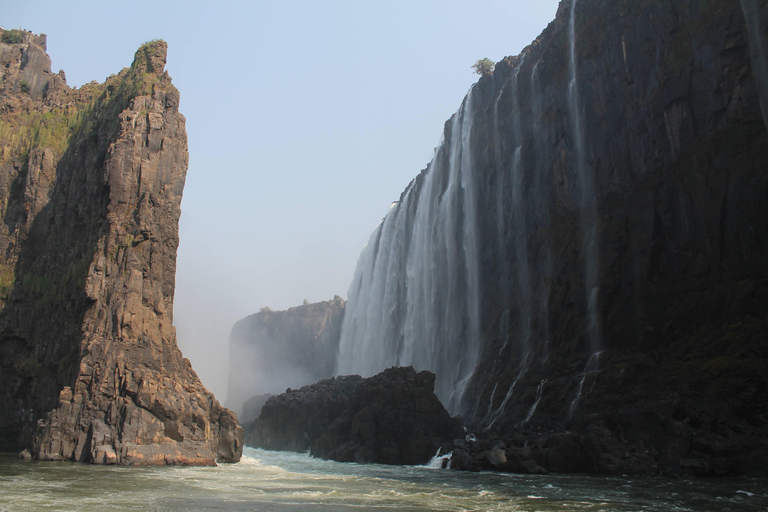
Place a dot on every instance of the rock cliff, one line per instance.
(272, 350)
(391, 418)
(91, 181)
(583, 264)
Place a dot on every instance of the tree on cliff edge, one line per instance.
(484, 67)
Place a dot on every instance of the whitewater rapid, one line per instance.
(283, 481)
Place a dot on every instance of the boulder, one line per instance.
(391, 418)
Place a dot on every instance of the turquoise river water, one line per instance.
(280, 481)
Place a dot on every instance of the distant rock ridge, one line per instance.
(272, 350)
(91, 181)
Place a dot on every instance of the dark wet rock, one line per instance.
(391, 418)
(676, 150)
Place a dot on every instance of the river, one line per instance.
(281, 481)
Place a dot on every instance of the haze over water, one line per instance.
(283, 481)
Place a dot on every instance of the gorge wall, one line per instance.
(588, 249)
(91, 181)
(273, 350)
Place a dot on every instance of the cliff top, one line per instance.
(150, 57)
(21, 36)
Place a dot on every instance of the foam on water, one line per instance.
(440, 461)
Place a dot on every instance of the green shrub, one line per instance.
(24, 86)
(13, 36)
(484, 67)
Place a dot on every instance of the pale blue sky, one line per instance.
(306, 119)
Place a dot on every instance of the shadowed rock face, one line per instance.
(391, 418)
(675, 152)
(613, 176)
(273, 350)
(91, 181)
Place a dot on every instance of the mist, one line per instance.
(275, 350)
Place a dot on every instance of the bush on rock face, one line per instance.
(484, 67)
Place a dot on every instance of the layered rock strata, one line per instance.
(391, 418)
(272, 350)
(91, 181)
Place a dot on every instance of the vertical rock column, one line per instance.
(91, 310)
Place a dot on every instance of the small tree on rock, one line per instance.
(484, 67)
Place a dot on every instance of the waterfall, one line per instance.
(590, 367)
(757, 53)
(586, 198)
(440, 461)
(517, 293)
(501, 225)
(414, 298)
(495, 416)
(539, 391)
(501, 252)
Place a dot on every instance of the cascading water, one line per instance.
(586, 196)
(522, 296)
(440, 461)
(539, 392)
(505, 288)
(533, 151)
(590, 368)
(496, 415)
(501, 224)
(758, 52)
(414, 299)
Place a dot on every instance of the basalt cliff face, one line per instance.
(91, 181)
(584, 264)
(273, 350)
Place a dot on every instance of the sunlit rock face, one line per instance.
(590, 243)
(273, 350)
(91, 181)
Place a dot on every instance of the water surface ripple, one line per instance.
(281, 481)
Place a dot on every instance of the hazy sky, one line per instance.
(306, 119)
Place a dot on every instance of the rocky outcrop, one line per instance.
(272, 350)
(91, 181)
(391, 418)
(585, 259)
